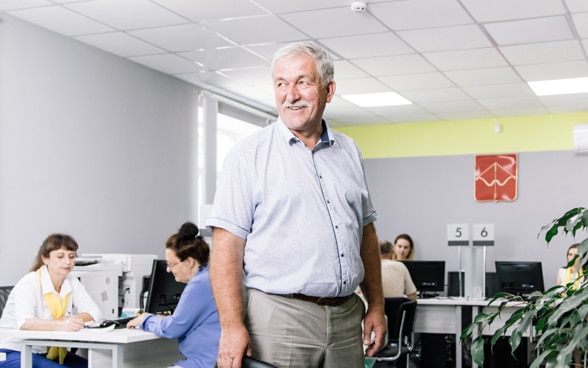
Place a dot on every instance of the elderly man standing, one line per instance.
(292, 222)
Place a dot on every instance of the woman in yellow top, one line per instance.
(567, 275)
(48, 298)
(574, 273)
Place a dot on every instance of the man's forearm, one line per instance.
(226, 277)
(370, 256)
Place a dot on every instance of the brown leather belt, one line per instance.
(331, 302)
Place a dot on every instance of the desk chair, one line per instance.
(4, 292)
(401, 314)
(249, 362)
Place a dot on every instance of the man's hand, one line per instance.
(233, 345)
(374, 321)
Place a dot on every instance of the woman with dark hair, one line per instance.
(195, 320)
(48, 298)
(403, 248)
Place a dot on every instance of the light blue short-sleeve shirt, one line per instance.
(301, 211)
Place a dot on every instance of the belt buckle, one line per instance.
(319, 302)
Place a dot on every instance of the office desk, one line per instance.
(451, 316)
(441, 316)
(117, 348)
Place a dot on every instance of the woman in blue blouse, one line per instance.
(195, 320)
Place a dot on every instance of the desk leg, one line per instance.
(26, 357)
(458, 328)
(118, 357)
(106, 355)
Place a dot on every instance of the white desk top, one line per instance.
(117, 336)
(455, 301)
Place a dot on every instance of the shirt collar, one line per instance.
(324, 141)
(47, 284)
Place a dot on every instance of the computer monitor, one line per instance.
(163, 292)
(428, 276)
(519, 278)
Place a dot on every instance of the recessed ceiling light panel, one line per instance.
(559, 86)
(377, 99)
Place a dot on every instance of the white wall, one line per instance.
(90, 145)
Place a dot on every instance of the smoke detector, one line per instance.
(358, 6)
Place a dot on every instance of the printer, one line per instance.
(114, 280)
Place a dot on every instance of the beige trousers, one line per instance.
(295, 333)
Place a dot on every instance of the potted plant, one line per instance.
(558, 316)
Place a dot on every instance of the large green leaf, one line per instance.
(477, 349)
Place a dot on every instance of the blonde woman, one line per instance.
(403, 249)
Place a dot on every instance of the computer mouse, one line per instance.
(107, 323)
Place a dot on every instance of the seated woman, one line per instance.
(49, 299)
(195, 320)
(403, 249)
(573, 274)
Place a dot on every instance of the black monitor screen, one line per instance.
(519, 278)
(163, 291)
(428, 276)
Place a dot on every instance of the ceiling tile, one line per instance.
(347, 23)
(497, 10)
(253, 76)
(257, 30)
(205, 77)
(465, 115)
(266, 50)
(443, 107)
(484, 76)
(224, 58)
(345, 70)
(440, 94)
(572, 69)
(511, 103)
(61, 20)
(577, 5)
(280, 7)
(364, 46)
(539, 53)
(447, 38)
(521, 111)
(127, 14)
(581, 23)
(419, 14)
(167, 63)
(204, 10)
(565, 101)
(21, 4)
(410, 82)
(465, 59)
(395, 65)
(184, 37)
(530, 30)
(499, 90)
(360, 85)
(120, 43)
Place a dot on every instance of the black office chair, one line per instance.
(4, 292)
(401, 314)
